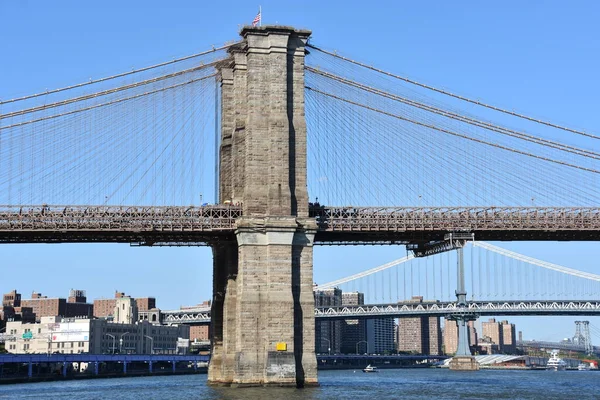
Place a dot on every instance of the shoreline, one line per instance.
(133, 374)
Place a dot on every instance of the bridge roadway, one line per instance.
(336, 225)
(568, 346)
(148, 360)
(199, 316)
(92, 358)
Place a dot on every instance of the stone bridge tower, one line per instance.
(263, 305)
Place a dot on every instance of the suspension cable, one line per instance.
(105, 104)
(539, 263)
(135, 71)
(106, 92)
(365, 273)
(595, 171)
(461, 118)
(456, 96)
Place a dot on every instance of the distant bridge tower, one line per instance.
(582, 336)
(263, 308)
(462, 360)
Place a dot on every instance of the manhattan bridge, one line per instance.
(260, 124)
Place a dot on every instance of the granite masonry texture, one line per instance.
(263, 277)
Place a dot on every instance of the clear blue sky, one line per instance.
(538, 57)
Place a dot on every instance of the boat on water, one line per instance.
(370, 368)
(555, 363)
(584, 367)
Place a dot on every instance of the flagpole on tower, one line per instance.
(260, 13)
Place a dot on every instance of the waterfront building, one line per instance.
(509, 338)
(380, 335)
(200, 333)
(94, 336)
(353, 298)
(451, 336)
(145, 303)
(493, 331)
(354, 332)
(421, 335)
(125, 311)
(153, 316)
(328, 334)
(502, 334)
(486, 346)
(11, 299)
(74, 306)
(50, 335)
(104, 307)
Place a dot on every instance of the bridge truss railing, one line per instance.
(121, 218)
(548, 307)
(456, 218)
(56, 217)
(415, 309)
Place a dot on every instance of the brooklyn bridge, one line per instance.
(264, 122)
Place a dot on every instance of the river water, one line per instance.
(439, 384)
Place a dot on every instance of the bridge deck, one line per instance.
(30, 224)
(422, 224)
(336, 225)
(199, 316)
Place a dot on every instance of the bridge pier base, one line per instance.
(266, 325)
(464, 363)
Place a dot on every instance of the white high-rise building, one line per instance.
(126, 311)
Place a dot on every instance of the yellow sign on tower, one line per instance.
(281, 346)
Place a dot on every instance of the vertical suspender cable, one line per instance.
(217, 141)
(488, 277)
(503, 273)
(389, 285)
(397, 283)
(382, 293)
(448, 276)
(433, 281)
(404, 282)
(479, 295)
(412, 293)
(472, 277)
(427, 278)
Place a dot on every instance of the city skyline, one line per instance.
(147, 302)
(496, 64)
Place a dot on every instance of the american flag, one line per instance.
(256, 20)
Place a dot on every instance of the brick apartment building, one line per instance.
(30, 310)
(105, 307)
